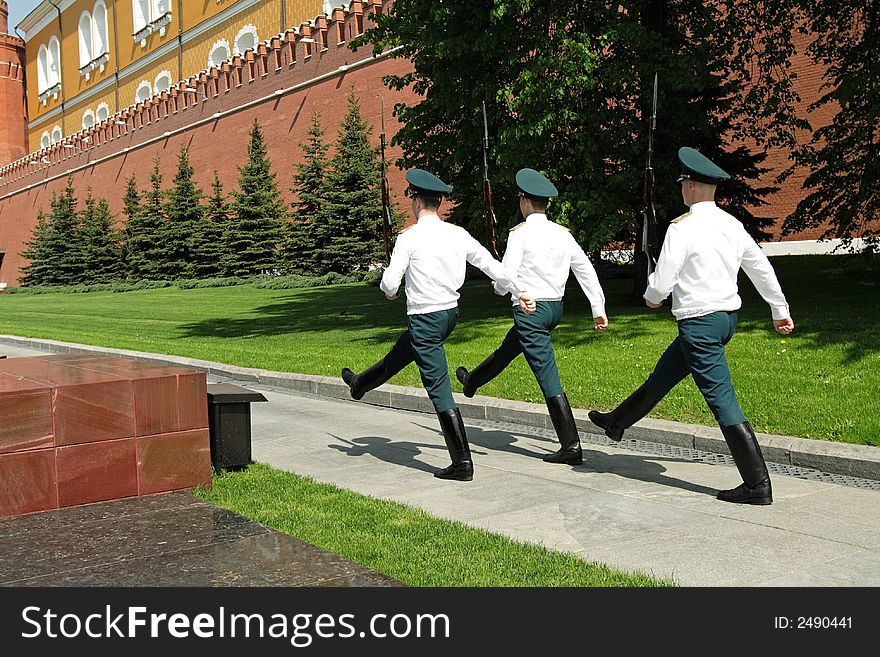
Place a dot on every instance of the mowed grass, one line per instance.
(821, 382)
(402, 542)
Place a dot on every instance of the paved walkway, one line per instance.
(646, 504)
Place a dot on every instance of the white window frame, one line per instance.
(53, 76)
(163, 74)
(42, 69)
(140, 13)
(144, 84)
(84, 30)
(149, 16)
(102, 108)
(220, 43)
(100, 42)
(57, 135)
(247, 29)
(45, 139)
(88, 119)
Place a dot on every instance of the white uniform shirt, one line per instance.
(434, 255)
(701, 256)
(540, 254)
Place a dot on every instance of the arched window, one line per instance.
(144, 91)
(88, 119)
(56, 134)
(163, 82)
(85, 39)
(45, 140)
(246, 39)
(53, 68)
(219, 53)
(102, 113)
(42, 69)
(160, 8)
(141, 12)
(99, 31)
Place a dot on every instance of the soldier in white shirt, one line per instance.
(540, 253)
(698, 264)
(433, 256)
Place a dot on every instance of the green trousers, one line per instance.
(699, 351)
(530, 336)
(423, 343)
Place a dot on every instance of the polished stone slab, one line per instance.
(172, 539)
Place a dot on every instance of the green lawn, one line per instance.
(821, 382)
(400, 541)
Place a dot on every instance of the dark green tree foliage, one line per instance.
(208, 240)
(55, 248)
(568, 89)
(844, 157)
(131, 207)
(258, 214)
(348, 233)
(38, 270)
(101, 243)
(183, 221)
(308, 189)
(144, 231)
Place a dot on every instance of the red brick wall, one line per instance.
(13, 109)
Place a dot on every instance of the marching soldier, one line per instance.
(540, 254)
(433, 256)
(698, 264)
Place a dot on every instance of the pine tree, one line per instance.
(349, 230)
(131, 207)
(256, 232)
(144, 230)
(38, 270)
(183, 218)
(308, 188)
(61, 245)
(101, 242)
(209, 237)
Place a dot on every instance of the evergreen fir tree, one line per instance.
(183, 219)
(38, 270)
(62, 244)
(254, 237)
(131, 207)
(101, 243)
(349, 230)
(308, 187)
(144, 230)
(209, 237)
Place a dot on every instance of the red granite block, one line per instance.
(173, 461)
(155, 405)
(93, 412)
(25, 415)
(27, 482)
(192, 404)
(95, 472)
(55, 372)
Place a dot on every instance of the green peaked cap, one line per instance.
(535, 184)
(423, 182)
(696, 166)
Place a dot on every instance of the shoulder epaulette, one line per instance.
(680, 217)
(518, 226)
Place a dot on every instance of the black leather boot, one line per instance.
(370, 378)
(746, 452)
(566, 431)
(462, 468)
(480, 375)
(630, 411)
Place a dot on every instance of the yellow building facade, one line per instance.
(89, 59)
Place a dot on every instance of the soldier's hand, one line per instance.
(527, 304)
(784, 326)
(651, 304)
(600, 323)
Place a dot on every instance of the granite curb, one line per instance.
(861, 461)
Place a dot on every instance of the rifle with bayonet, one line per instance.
(491, 221)
(649, 216)
(386, 196)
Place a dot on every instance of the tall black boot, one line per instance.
(566, 430)
(630, 411)
(462, 468)
(746, 452)
(370, 378)
(480, 375)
